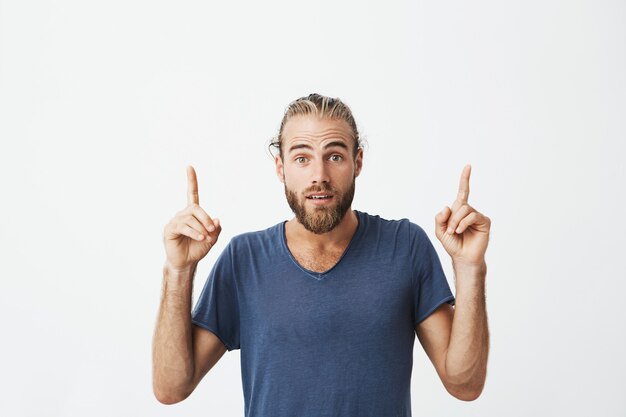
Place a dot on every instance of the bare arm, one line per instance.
(183, 353)
(466, 359)
(457, 339)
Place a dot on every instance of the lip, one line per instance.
(320, 202)
(319, 194)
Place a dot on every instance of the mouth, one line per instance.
(319, 198)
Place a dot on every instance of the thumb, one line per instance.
(441, 221)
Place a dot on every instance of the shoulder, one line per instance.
(266, 238)
(403, 228)
(251, 248)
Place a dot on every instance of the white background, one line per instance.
(103, 104)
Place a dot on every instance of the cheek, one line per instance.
(294, 175)
(346, 173)
(290, 180)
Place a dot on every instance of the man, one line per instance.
(325, 306)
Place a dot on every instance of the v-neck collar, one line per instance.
(322, 275)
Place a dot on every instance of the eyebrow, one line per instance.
(328, 145)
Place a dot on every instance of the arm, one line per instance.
(456, 339)
(182, 353)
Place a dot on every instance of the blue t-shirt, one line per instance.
(331, 344)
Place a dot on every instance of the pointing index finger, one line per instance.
(192, 186)
(464, 188)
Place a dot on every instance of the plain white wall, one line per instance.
(103, 104)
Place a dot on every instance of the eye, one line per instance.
(336, 158)
(301, 159)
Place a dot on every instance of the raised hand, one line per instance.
(463, 231)
(190, 234)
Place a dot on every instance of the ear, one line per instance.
(358, 162)
(280, 168)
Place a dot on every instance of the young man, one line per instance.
(325, 306)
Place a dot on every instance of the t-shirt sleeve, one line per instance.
(430, 286)
(217, 308)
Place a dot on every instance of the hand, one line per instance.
(463, 231)
(189, 236)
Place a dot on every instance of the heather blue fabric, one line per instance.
(338, 343)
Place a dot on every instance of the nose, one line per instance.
(320, 172)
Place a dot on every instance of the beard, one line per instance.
(321, 219)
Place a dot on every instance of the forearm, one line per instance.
(172, 354)
(468, 350)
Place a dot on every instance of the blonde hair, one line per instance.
(321, 106)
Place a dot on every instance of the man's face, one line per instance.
(318, 169)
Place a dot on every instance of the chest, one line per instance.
(359, 306)
(315, 260)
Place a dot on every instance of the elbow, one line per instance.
(166, 399)
(466, 391)
(169, 389)
(468, 395)
(168, 396)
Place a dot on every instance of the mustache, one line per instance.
(319, 189)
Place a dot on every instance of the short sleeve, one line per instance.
(430, 286)
(217, 308)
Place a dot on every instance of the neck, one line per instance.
(339, 236)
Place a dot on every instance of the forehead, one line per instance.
(311, 128)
